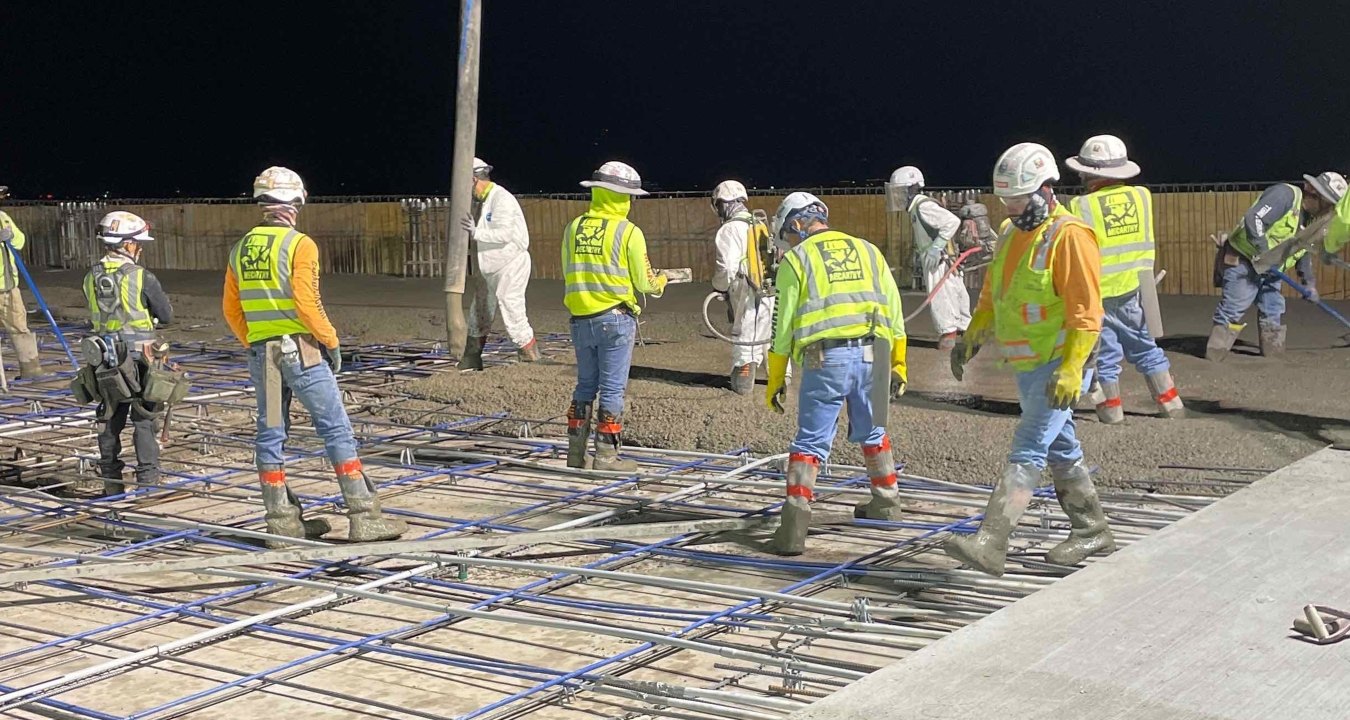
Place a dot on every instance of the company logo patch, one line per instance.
(590, 236)
(1120, 214)
(255, 260)
(843, 262)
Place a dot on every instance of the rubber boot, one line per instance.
(1221, 339)
(1165, 393)
(1090, 533)
(578, 433)
(795, 521)
(113, 487)
(1272, 340)
(743, 379)
(608, 440)
(281, 510)
(368, 524)
(473, 353)
(885, 501)
(987, 549)
(1109, 409)
(26, 348)
(528, 353)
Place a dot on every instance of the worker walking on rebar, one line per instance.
(1274, 219)
(739, 275)
(273, 306)
(605, 265)
(934, 243)
(838, 305)
(1041, 304)
(125, 302)
(497, 229)
(1121, 216)
(13, 314)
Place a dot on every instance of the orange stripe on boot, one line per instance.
(272, 477)
(803, 458)
(1114, 402)
(887, 481)
(575, 423)
(348, 468)
(800, 491)
(609, 428)
(870, 450)
(1168, 396)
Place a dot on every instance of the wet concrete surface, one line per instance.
(1248, 412)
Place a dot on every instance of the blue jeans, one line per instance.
(842, 377)
(1125, 337)
(318, 391)
(1043, 434)
(1241, 285)
(604, 347)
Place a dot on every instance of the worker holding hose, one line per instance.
(13, 314)
(271, 302)
(839, 319)
(1041, 305)
(605, 266)
(1274, 219)
(934, 231)
(1121, 216)
(739, 275)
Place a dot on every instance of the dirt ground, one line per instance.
(1247, 412)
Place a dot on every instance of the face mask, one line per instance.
(1035, 213)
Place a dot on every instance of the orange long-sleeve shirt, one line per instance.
(305, 286)
(1076, 270)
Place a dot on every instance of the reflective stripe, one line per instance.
(1114, 250)
(815, 304)
(1033, 313)
(597, 268)
(1140, 264)
(576, 287)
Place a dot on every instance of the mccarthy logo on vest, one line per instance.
(842, 263)
(255, 262)
(590, 239)
(1120, 215)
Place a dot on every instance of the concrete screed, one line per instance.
(1252, 412)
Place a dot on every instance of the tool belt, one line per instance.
(813, 357)
(301, 348)
(113, 374)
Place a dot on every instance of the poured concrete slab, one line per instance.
(1190, 623)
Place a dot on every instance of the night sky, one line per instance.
(152, 99)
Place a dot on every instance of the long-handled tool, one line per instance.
(28, 280)
(1307, 295)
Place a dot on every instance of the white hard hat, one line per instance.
(279, 185)
(616, 176)
(120, 226)
(1023, 168)
(1103, 156)
(481, 169)
(729, 190)
(1330, 185)
(794, 205)
(906, 176)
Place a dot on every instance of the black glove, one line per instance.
(334, 357)
(962, 354)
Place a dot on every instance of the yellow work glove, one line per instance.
(979, 332)
(899, 368)
(774, 394)
(1067, 383)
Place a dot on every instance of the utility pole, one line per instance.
(461, 173)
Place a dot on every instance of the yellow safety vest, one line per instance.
(841, 290)
(9, 271)
(263, 262)
(1028, 313)
(1122, 217)
(595, 266)
(1277, 233)
(113, 288)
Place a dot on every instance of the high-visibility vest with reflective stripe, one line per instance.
(1278, 232)
(841, 290)
(595, 271)
(263, 261)
(114, 289)
(1028, 313)
(1122, 217)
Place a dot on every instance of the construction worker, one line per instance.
(1042, 306)
(837, 303)
(125, 303)
(13, 314)
(605, 265)
(934, 229)
(497, 228)
(1274, 219)
(739, 273)
(1121, 216)
(272, 304)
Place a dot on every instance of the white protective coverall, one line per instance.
(503, 262)
(754, 320)
(934, 227)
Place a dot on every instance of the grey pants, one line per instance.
(144, 436)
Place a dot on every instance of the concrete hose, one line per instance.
(707, 321)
